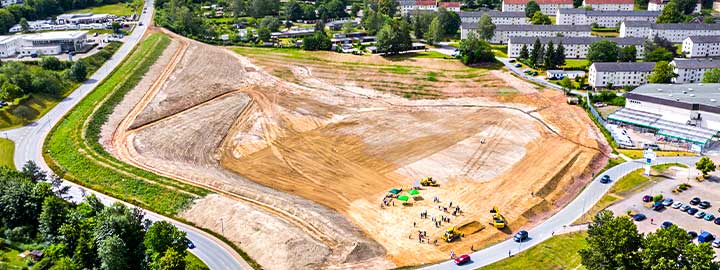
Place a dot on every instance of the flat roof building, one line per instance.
(603, 18)
(603, 74)
(47, 43)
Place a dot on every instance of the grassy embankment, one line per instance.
(118, 9)
(635, 154)
(558, 252)
(72, 149)
(7, 149)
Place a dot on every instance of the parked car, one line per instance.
(666, 224)
(521, 236)
(639, 217)
(716, 243)
(463, 259)
(700, 214)
(605, 179)
(692, 211)
(677, 205)
(667, 202)
(695, 201)
(709, 217)
(190, 244)
(534, 73)
(704, 205)
(685, 208)
(518, 65)
(657, 206)
(717, 221)
(511, 60)
(705, 237)
(692, 234)
(647, 198)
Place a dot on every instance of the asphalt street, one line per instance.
(561, 220)
(29, 140)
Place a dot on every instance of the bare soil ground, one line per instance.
(303, 147)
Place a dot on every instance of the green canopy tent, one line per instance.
(413, 192)
(395, 191)
(403, 198)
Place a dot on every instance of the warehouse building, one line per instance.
(685, 112)
(575, 47)
(674, 32)
(505, 31)
(701, 46)
(619, 74)
(579, 16)
(496, 16)
(549, 7)
(47, 43)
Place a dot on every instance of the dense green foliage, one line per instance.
(318, 41)
(662, 73)
(603, 51)
(705, 165)
(608, 97)
(475, 50)
(531, 8)
(628, 54)
(712, 76)
(548, 56)
(540, 18)
(486, 28)
(394, 38)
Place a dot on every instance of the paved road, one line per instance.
(29, 140)
(565, 217)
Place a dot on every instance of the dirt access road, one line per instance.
(301, 148)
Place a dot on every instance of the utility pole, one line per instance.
(222, 227)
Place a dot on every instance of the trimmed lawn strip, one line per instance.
(192, 262)
(118, 9)
(7, 150)
(636, 154)
(558, 252)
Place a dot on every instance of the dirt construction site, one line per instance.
(301, 149)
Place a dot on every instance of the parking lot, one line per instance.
(708, 190)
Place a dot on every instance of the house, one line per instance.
(504, 31)
(619, 73)
(626, 5)
(603, 18)
(496, 16)
(555, 74)
(674, 32)
(450, 6)
(692, 70)
(548, 7)
(658, 5)
(701, 46)
(575, 47)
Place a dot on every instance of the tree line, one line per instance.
(547, 56)
(88, 235)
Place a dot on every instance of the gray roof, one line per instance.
(624, 66)
(696, 63)
(492, 13)
(537, 28)
(673, 26)
(614, 13)
(638, 24)
(682, 94)
(705, 39)
(576, 40)
(406, 2)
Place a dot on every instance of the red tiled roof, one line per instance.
(540, 2)
(600, 2)
(452, 4)
(426, 3)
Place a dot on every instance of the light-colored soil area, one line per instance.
(304, 146)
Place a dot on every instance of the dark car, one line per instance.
(666, 224)
(667, 202)
(704, 205)
(717, 221)
(518, 65)
(657, 206)
(695, 201)
(463, 259)
(511, 60)
(692, 211)
(639, 217)
(521, 236)
(605, 179)
(191, 245)
(692, 234)
(647, 198)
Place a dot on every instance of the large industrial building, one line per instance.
(683, 112)
(46, 43)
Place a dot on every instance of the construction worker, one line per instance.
(452, 254)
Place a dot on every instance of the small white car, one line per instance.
(716, 243)
(677, 205)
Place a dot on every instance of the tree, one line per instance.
(24, 25)
(613, 243)
(577, 3)
(628, 54)
(566, 83)
(53, 215)
(670, 14)
(115, 27)
(261, 8)
(663, 248)
(712, 76)
(486, 28)
(263, 34)
(603, 51)
(348, 27)
(449, 22)
(318, 41)
(530, 8)
(373, 22)
(355, 8)
(171, 260)
(421, 24)
(9, 91)
(549, 54)
(239, 7)
(662, 73)
(540, 18)
(51, 63)
(435, 32)
(271, 23)
(699, 257)
(705, 165)
(113, 252)
(387, 7)
(394, 37)
(524, 54)
(24, 112)
(163, 237)
(658, 54)
(475, 50)
(33, 171)
(6, 20)
(536, 52)
(559, 57)
(78, 71)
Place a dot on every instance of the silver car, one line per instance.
(677, 205)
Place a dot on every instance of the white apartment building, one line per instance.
(658, 5)
(575, 47)
(450, 6)
(548, 7)
(674, 32)
(581, 16)
(701, 46)
(692, 70)
(496, 16)
(84, 18)
(6, 3)
(505, 31)
(619, 73)
(415, 7)
(626, 5)
(47, 43)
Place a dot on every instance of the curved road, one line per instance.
(562, 219)
(29, 140)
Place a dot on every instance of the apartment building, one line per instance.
(607, 5)
(496, 16)
(701, 46)
(548, 7)
(692, 70)
(414, 7)
(658, 5)
(619, 73)
(575, 47)
(504, 31)
(674, 32)
(6, 3)
(579, 16)
(450, 6)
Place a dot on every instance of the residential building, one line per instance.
(692, 70)
(6, 3)
(575, 47)
(504, 31)
(716, 6)
(674, 32)
(626, 5)
(620, 74)
(658, 5)
(548, 7)
(496, 16)
(688, 113)
(47, 43)
(579, 16)
(415, 7)
(450, 6)
(701, 46)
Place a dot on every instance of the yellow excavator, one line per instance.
(429, 181)
(452, 234)
(498, 219)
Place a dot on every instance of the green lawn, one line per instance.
(425, 54)
(10, 260)
(119, 9)
(500, 50)
(576, 64)
(194, 263)
(558, 252)
(7, 149)
(635, 154)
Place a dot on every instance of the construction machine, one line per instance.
(429, 181)
(498, 219)
(452, 234)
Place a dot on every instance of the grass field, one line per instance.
(558, 252)
(635, 154)
(7, 149)
(10, 260)
(194, 263)
(500, 50)
(119, 9)
(576, 64)
(425, 54)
